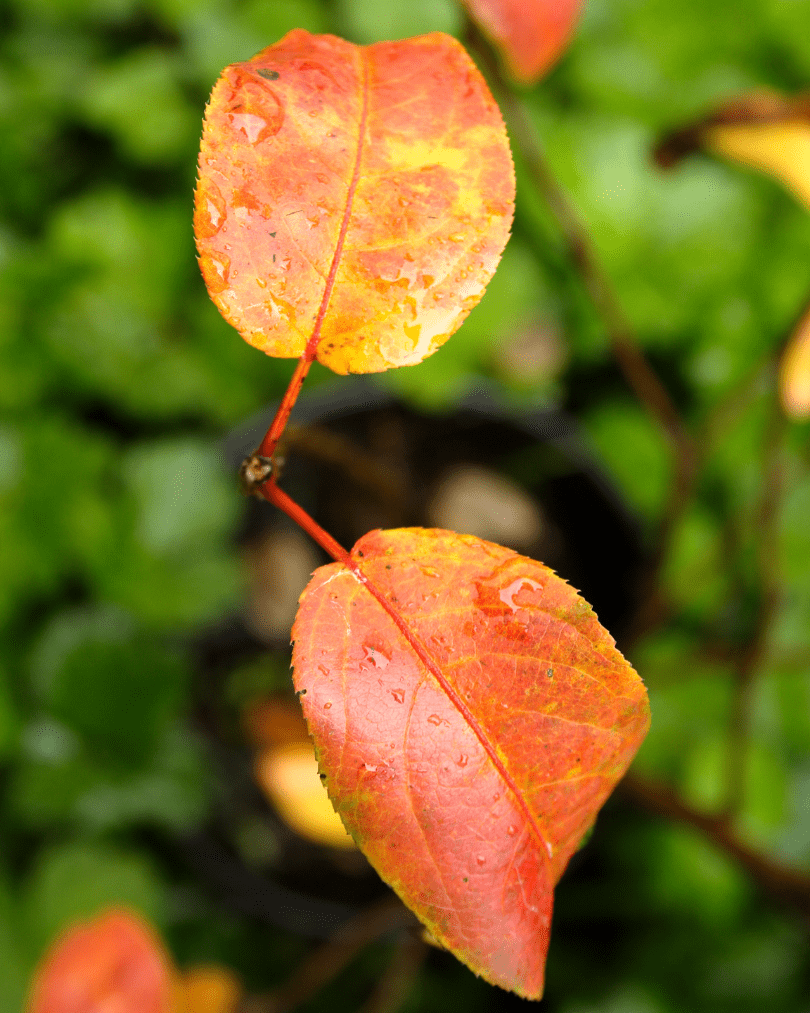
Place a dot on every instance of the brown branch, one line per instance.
(791, 886)
(747, 666)
(638, 373)
(397, 982)
(364, 469)
(327, 961)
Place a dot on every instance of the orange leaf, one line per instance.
(470, 728)
(530, 34)
(354, 197)
(112, 964)
(794, 372)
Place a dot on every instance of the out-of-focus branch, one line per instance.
(637, 371)
(386, 483)
(768, 589)
(329, 959)
(395, 985)
(792, 886)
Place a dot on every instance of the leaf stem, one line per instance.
(268, 445)
(273, 434)
(273, 494)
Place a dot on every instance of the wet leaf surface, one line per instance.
(469, 728)
(358, 197)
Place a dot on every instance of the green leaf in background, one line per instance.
(376, 20)
(14, 967)
(77, 880)
(634, 452)
(138, 99)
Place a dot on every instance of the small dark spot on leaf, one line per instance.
(274, 258)
(301, 692)
(466, 879)
(269, 75)
(388, 566)
(550, 673)
(273, 235)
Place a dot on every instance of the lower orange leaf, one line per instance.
(471, 717)
(112, 964)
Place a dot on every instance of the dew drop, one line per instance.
(323, 669)
(496, 796)
(481, 859)
(261, 283)
(255, 128)
(462, 760)
(211, 205)
(327, 706)
(219, 272)
(398, 695)
(371, 767)
(256, 110)
(434, 719)
(374, 657)
(508, 593)
(511, 830)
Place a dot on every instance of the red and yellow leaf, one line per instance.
(357, 197)
(530, 34)
(471, 716)
(114, 963)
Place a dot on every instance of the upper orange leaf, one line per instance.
(357, 198)
(114, 963)
(530, 34)
(471, 720)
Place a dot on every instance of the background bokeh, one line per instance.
(125, 658)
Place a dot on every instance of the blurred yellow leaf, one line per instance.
(781, 150)
(794, 370)
(274, 722)
(289, 777)
(206, 989)
(764, 130)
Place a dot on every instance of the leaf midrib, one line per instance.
(314, 340)
(430, 664)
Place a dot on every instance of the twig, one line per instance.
(791, 886)
(637, 371)
(396, 984)
(327, 961)
(364, 469)
(765, 532)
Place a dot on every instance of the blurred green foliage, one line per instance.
(118, 377)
